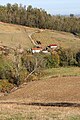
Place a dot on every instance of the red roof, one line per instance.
(52, 45)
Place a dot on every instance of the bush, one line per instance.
(78, 58)
(5, 86)
(68, 57)
(73, 62)
(63, 57)
(5, 70)
(52, 60)
(23, 74)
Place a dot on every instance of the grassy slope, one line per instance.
(51, 90)
(63, 39)
(14, 35)
(17, 112)
(61, 72)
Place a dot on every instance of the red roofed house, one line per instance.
(36, 50)
(53, 46)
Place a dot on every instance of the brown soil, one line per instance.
(35, 100)
(61, 89)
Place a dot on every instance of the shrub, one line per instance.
(23, 74)
(5, 70)
(78, 58)
(5, 86)
(52, 60)
(63, 57)
(68, 57)
(73, 62)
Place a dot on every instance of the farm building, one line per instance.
(36, 50)
(44, 51)
(53, 46)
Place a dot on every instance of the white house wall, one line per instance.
(36, 51)
(54, 47)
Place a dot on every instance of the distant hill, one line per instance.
(78, 15)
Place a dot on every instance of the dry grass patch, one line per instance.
(17, 112)
(63, 39)
(61, 72)
(15, 35)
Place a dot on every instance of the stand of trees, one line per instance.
(34, 17)
(27, 67)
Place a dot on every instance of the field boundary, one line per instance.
(55, 104)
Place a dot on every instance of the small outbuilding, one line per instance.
(36, 50)
(53, 46)
(45, 51)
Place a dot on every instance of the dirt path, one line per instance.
(30, 37)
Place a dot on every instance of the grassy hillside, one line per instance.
(64, 39)
(61, 72)
(14, 35)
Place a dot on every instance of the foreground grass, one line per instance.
(61, 72)
(76, 117)
(17, 112)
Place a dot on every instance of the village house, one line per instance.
(39, 49)
(36, 50)
(53, 46)
(44, 51)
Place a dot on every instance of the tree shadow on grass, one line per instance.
(56, 104)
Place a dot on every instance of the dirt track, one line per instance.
(66, 89)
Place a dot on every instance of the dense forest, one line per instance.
(34, 17)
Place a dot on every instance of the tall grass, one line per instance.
(61, 72)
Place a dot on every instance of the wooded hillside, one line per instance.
(34, 17)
